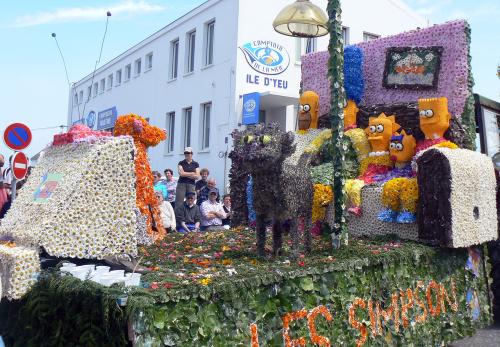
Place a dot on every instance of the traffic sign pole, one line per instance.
(17, 136)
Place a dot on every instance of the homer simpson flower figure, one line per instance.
(400, 192)
(308, 110)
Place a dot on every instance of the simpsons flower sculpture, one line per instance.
(144, 136)
(308, 110)
(400, 191)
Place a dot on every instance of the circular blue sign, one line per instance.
(91, 119)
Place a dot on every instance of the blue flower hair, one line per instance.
(354, 83)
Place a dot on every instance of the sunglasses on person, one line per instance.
(188, 153)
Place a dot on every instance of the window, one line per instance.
(137, 67)
(169, 144)
(110, 81)
(75, 99)
(80, 97)
(149, 61)
(345, 35)
(186, 141)
(191, 44)
(174, 58)
(369, 37)
(89, 92)
(128, 72)
(311, 43)
(305, 46)
(118, 77)
(95, 89)
(205, 126)
(102, 86)
(209, 43)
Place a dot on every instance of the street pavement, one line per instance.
(489, 337)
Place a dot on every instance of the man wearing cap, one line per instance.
(189, 172)
(205, 191)
(187, 214)
(212, 212)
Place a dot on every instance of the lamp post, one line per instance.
(303, 19)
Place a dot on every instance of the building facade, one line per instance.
(194, 76)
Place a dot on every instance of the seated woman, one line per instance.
(166, 212)
(212, 212)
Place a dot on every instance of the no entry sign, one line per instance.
(19, 165)
(17, 136)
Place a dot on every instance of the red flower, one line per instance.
(154, 285)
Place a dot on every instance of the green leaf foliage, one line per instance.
(64, 311)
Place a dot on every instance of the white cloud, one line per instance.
(430, 7)
(86, 13)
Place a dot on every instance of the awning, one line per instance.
(270, 100)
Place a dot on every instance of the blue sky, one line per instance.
(35, 90)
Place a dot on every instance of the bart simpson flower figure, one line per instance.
(144, 136)
(434, 117)
(400, 192)
(308, 110)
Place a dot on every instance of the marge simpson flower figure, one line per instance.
(144, 136)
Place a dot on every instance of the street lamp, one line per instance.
(301, 19)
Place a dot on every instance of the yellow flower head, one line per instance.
(380, 130)
(205, 281)
(434, 117)
(402, 147)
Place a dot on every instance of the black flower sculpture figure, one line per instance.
(281, 191)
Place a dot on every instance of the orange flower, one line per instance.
(287, 318)
(227, 262)
(406, 306)
(255, 335)
(358, 302)
(315, 338)
(423, 317)
(144, 136)
(434, 310)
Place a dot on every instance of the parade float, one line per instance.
(395, 259)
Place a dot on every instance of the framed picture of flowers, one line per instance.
(412, 67)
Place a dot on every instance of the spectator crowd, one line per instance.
(192, 201)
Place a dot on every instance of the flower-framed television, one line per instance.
(412, 67)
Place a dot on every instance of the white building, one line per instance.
(190, 76)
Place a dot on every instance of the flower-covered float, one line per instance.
(81, 201)
(241, 287)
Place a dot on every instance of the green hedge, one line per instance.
(65, 311)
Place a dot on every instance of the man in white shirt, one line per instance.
(212, 212)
